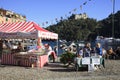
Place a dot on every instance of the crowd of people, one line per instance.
(99, 51)
(87, 51)
(8, 47)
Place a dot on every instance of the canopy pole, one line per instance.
(39, 43)
(39, 49)
(57, 49)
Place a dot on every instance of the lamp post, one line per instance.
(113, 1)
(113, 18)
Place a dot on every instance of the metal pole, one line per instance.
(113, 18)
(57, 49)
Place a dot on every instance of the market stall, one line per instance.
(90, 62)
(22, 31)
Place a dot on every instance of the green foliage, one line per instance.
(86, 29)
(106, 26)
(67, 57)
(73, 30)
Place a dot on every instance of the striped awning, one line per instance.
(25, 30)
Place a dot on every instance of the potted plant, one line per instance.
(67, 58)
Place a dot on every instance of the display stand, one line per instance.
(9, 59)
(91, 62)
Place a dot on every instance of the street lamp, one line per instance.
(113, 22)
(113, 18)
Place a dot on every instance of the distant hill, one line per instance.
(86, 29)
(106, 26)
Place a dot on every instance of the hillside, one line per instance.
(86, 29)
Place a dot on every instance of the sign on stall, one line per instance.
(85, 60)
(96, 61)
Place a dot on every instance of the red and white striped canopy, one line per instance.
(25, 30)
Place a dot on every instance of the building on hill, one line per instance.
(79, 16)
(10, 16)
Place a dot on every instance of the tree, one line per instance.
(86, 29)
(74, 30)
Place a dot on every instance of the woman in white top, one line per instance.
(49, 51)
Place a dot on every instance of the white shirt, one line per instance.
(48, 50)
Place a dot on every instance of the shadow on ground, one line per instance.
(58, 67)
(2, 66)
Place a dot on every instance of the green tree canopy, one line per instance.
(86, 29)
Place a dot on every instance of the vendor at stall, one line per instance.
(20, 47)
(98, 50)
(49, 51)
(86, 50)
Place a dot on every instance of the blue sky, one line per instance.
(41, 11)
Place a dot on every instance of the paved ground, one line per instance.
(57, 71)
